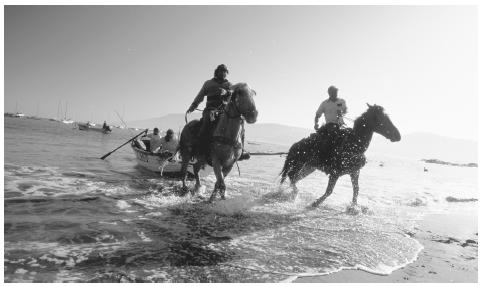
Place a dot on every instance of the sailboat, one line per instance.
(18, 114)
(66, 120)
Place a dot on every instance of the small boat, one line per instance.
(88, 127)
(67, 121)
(19, 114)
(161, 164)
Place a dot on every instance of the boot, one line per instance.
(244, 156)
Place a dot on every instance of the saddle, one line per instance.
(201, 143)
(325, 142)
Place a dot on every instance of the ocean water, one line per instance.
(71, 217)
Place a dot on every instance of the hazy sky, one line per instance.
(419, 62)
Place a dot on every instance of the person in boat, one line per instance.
(333, 109)
(217, 90)
(155, 140)
(169, 144)
(105, 126)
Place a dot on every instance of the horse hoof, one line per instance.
(195, 190)
(310, 207)
(314, 205)
(184, 190)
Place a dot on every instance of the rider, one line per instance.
(333, 108)
(217, 90)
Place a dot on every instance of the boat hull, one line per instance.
(90, 128)
(157, 163)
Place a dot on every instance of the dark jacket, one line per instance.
(211, 89)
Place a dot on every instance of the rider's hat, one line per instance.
(222, 67)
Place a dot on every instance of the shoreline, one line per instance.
(449, 255)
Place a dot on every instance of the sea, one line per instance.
(71, 217)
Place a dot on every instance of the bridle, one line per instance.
(233, 103)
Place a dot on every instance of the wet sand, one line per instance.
(450, 254)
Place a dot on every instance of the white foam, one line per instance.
(20, 271)
(124, 205)
(144, 237)
(233, 205)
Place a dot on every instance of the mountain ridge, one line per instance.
(416, 144)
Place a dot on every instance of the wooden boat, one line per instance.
(87, 127)
(161, 164)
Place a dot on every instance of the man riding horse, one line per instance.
(333, 109)
(218, 91)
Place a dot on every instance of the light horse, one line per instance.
(344, 156)
(225, 145)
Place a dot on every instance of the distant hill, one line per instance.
(259, 132)
(421, 145)
(175, 121)
(415, 145)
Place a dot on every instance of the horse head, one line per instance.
(243, 100)
(381, 123)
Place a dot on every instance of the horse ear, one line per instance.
(368, 105)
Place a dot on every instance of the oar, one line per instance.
(267, 154)
(104, 157)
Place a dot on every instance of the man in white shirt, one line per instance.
(333, 109)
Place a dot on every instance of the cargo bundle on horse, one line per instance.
(225, 146)
(342, 154)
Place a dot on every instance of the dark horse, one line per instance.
(344, 155)
(225, 146)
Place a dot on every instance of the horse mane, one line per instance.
(243, 87)
(239, 85)
(370, 111)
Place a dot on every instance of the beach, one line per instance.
(450, 255)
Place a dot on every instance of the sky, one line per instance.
(419, 62)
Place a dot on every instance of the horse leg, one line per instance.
(354, 180)
(222, 187)
(196, 169)
(185, 159)
(303, 172)
(329, 190)
(217, 169)
(293, 172)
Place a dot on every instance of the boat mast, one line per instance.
(59, 110)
